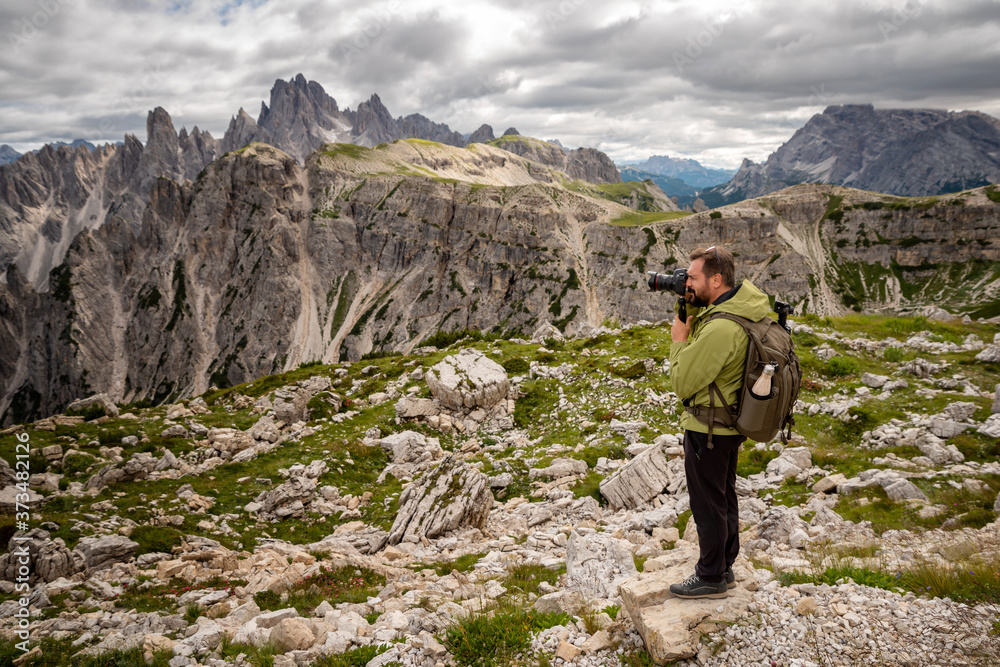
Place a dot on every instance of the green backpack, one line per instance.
(759, 419)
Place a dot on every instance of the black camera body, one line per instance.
(675, 282)
(668, 282)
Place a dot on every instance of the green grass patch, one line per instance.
(495, 637)
(526, 577)
(643, 218)
(356, 657)
(155, 539)
(334, 585)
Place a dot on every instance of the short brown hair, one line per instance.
(717, 260)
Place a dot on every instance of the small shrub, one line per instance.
(268, 600)
(715, 215)
(636, 370)
(841, 366)
(516, 366)
(88, 413)
(191, 613)
(894, 355)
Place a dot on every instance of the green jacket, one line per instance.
(715, 351)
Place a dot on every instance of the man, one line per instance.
(703, 353)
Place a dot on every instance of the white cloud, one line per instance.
(713, 80)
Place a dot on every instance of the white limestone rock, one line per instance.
(468, 380)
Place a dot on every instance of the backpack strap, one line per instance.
(712, 415)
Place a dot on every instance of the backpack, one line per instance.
(756, 418)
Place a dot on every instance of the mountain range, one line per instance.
(49, 196)
(910, 152)
(687, 170)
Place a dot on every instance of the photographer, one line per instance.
(706, 371)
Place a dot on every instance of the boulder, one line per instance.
(934, 448)
(411, 447)
(288, 499)
(873, 381)
(779, 523)
(946, 428)
(995, 409)
(829, 483)
(961, 411)
(292, 634)
(991, 427)
(638, 481)
(561, 467)
(546, 330)
(103, 400)
(229, 440)
(450, 496)
(468, 380)
(265, 429)
(11, 496)
(670, 627)
(596, 563)
(48, 559)
(414, 408)
(290, 403)
(137, 468)
(570, 602)
(105, 550)
(903, 490)
(175, 431)
(990, 354)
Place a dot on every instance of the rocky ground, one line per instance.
(518, 502)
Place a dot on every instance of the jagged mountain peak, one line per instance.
(910, 152)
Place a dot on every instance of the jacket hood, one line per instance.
(748, 302)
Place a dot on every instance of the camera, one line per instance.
(667, 282)
(671, 282)
(783, 310)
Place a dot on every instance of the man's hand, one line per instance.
(679, 331)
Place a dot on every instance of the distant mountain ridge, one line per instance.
(8, 154)
(690, 171)
(671, 186)
(907, 152)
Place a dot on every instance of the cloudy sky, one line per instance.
(716, 81)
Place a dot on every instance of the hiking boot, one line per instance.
(696, 587)
(730, 577)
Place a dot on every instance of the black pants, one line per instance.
(711, 482)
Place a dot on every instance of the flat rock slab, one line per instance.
(671, 627)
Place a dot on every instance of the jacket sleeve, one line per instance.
(695, 365)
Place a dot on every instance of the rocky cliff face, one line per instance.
(587, 164)
(261, 265)
(912, 152)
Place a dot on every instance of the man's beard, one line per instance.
(695, 300)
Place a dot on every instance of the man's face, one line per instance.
(698, 286)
